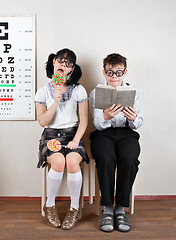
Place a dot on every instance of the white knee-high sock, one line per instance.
(53, 183)
(74, 182)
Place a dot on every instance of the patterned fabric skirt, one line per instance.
(64, 136)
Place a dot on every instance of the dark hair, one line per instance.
(70, 55)
(114, 59)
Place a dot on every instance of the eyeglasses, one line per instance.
(111, 73)
(68, 63)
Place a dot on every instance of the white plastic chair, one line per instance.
(94, 179)
(44, 190)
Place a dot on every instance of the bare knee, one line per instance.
(73, 163)
(72, 166)
(58, 166)
(57, 162)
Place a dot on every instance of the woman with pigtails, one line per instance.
(62, 110)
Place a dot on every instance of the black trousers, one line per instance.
(115, 148)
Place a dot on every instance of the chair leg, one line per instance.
(97, 194)
(91, 182)
(44, 174)
(81, 199)
(80, 205)
(131, 208)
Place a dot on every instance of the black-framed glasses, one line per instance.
(68, 63)
(111, 73)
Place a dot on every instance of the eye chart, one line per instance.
(17, 68)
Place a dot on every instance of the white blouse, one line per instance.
(67, 111)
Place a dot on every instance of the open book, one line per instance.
(106, 96)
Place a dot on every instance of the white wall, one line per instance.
(143, 31)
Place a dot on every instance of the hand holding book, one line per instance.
(130, 113)
(113, 101)
(111, 112)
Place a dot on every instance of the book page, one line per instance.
(103, 98)
(124, 98)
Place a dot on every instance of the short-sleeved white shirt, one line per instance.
(67, 111)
